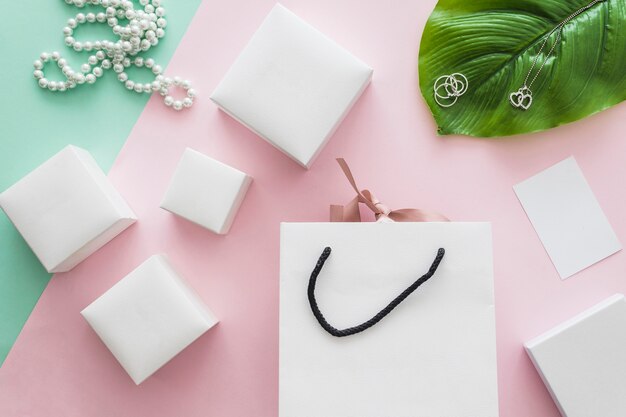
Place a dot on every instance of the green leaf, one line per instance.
(494, 42)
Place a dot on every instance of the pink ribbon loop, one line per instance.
(350, 212)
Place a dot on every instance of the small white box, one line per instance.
(292, 85)
(206, 191)
(66, 209)
(148, 317)
(583, 361)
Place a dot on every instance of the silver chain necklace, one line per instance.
(523, 97)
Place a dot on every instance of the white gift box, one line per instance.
(66, 209)
(148, 317)
(583, 361)
(292, 85)
(433, 356)
(206, 191)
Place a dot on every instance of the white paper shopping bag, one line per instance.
(434, 355)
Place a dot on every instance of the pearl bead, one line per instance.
(142, 30)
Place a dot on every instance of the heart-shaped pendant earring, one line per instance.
(522, 98)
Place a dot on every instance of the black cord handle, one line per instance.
(381, 314)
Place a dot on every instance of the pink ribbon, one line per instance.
(350, 212)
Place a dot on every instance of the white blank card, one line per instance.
(567, 218)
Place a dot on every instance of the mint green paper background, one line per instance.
(36, 123)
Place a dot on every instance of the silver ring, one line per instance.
(448, 88)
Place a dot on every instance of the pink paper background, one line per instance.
(59, 367)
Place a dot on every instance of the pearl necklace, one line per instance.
(143, 31)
